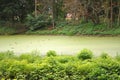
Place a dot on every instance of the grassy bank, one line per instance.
(7, 31)
(63, 28)
(83, 66)
(80, 29)
(11, 29)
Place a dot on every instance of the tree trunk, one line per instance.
(35, 8)
(118, 23)
(53, 13)
(111, 16)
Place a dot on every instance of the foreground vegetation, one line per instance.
(83, 66)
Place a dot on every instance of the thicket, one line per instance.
(96, 11)
(41, 21)
(33, 66)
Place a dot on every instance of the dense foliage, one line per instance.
(66, 28)
(85, 14)
(41, 21)
(33, 66)
(15, 10)
(85, 54)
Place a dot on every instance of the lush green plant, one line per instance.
(30, 57)
(106, 69)
(65, 59)
(51, 53)
(61, 24)
(7, 55)
(33, 67)
(104, 55)
(7, 30)
(39, 21)
(85, 54)
(117, 57)
(67, 28)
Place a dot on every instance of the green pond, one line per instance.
(67, 45)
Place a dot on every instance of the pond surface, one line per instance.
(61, 44)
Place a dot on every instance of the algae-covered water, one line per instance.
(61, 44)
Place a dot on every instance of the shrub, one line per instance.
(85, 54)
(117, 57)
(65, 59)
(61, 23)
(40, 21)
(7, 30)
(7, 55)
(63, 67)
(51, 53)
(30, 57)
(106, 69)
(104, 55)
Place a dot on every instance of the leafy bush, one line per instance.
(30, 57)
(32, 67)
(117, 57)
(65, 59)
(106, 69)
(66, 28)
(85, 54)
(104, 55)
(61, 23)
(7, 30)
(51, 53)
(7, 55)
(40, 21)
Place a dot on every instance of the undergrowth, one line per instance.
(79, 29)
(82, 66)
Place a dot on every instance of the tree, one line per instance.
(15, 10)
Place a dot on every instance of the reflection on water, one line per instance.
(61, 44)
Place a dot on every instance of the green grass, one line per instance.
(34, 66)
(8, 28)
(80, 29)
(65, 28)
(7, 31)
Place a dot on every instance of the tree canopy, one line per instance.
(15, 10)
(97, 11)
